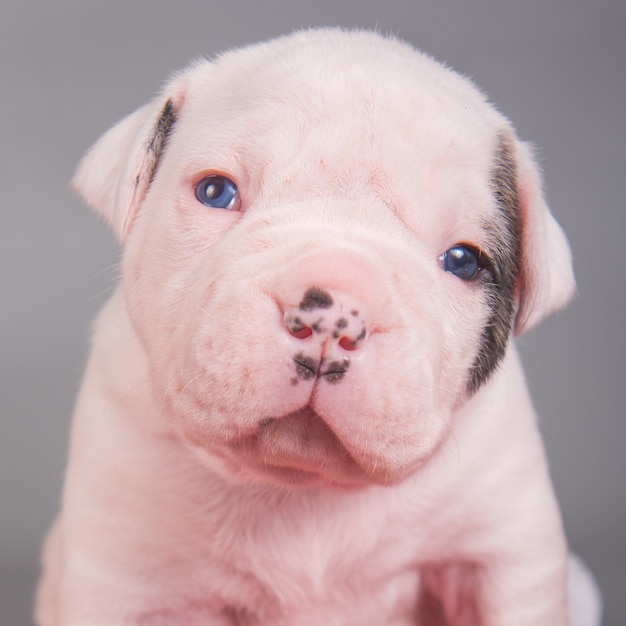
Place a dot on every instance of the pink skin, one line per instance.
(274, 426)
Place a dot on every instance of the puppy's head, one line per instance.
(328, 240)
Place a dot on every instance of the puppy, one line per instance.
(303, 405)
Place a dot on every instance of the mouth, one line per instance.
(299, 449)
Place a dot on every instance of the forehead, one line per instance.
(344, 111)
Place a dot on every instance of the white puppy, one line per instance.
(303, 406)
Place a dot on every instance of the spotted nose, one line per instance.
(328, 317)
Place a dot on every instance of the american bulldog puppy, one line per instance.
(304, 405)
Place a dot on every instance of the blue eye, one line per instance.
(218, 192)
(462, 261)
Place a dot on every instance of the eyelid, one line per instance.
(198, 177)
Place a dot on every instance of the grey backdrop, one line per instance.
(70, 68)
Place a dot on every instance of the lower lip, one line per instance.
(296, 477)
(291, 475)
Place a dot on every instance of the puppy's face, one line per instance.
(325, 242)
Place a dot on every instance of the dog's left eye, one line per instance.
(462, 261)
(218, 192)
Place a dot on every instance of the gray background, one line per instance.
(71, 68)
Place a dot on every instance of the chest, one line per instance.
(294, 566)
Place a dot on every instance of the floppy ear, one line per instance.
(114, 176)
(546, 279)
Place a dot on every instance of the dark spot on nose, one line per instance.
(354, 312)
(342, 322)
(306, 367)
(315, 298)
(317, 326)
(336, 370)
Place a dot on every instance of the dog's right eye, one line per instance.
(218, 192)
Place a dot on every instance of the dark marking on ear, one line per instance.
(315, 298)
(267, 421)
(504, 246)
(160, 136)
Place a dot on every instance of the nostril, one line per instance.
(301, 332)
(350, 341)
(296, 326)
(348, 344)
